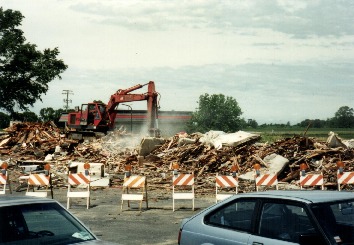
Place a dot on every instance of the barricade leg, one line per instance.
(88, 202)
(146, 198)
(68, 199)
(9, 184)
(141, 203)
(193, 197)
(173, 198)
(122, 201)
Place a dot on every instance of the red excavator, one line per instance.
(98, 117)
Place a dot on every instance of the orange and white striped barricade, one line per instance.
(266, 180)
(223, 182)
(97, 172)
(180, 189)
(82, 182)
(311, 180)
(134, 189)
(5, 183)
(39, 181)
(345, 178)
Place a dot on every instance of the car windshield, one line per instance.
(43, 223)
(337, 220)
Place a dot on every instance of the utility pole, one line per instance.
(67, 100)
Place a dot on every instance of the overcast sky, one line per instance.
(281, 60)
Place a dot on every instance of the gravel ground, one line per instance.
(155, 225)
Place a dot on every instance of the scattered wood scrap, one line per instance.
(43, 141)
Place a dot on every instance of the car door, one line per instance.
(282, 223)
(231, 224)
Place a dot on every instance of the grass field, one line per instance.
(273, 134)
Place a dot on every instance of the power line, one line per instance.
(67, 100)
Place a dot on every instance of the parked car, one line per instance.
(274, 218)
(32, 220)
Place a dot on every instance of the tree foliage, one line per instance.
(27, 116)
(315, 123)
(216, 112)
(24, 71)
(4, 120)
(49, 114)
(343, 118)
(252, 123)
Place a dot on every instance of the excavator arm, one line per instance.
(122, 96)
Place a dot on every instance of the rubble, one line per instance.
(205, 155)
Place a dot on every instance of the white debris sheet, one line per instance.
(219, 138)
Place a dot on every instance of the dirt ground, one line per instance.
(156, 225)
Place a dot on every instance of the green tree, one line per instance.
(316, 123)
(27, 116)
(49, 114)
(24, 71)
(57, 115)
(216, 112)
(252, 123)
(344, 117)
(4, 120)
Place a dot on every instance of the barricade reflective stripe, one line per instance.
(38, 179)
(346, 178)
(226, 181)
(183, 179)
(134, 181)
(223, 182)
(78, 179)
(267, 180)
(3, 179)
(311, 180)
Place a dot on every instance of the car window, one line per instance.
(344, 212)
(337, 220)
(237, 215)
(284, 222)
(47, 223)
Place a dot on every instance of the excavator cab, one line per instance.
(91, 118)
(94, 116)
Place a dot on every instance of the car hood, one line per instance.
(96, 242)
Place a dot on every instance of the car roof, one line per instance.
(306, 196)
(19, 200)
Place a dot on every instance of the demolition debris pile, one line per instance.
(282, 157)
(205, 155)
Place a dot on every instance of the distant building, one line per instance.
(169, 122)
